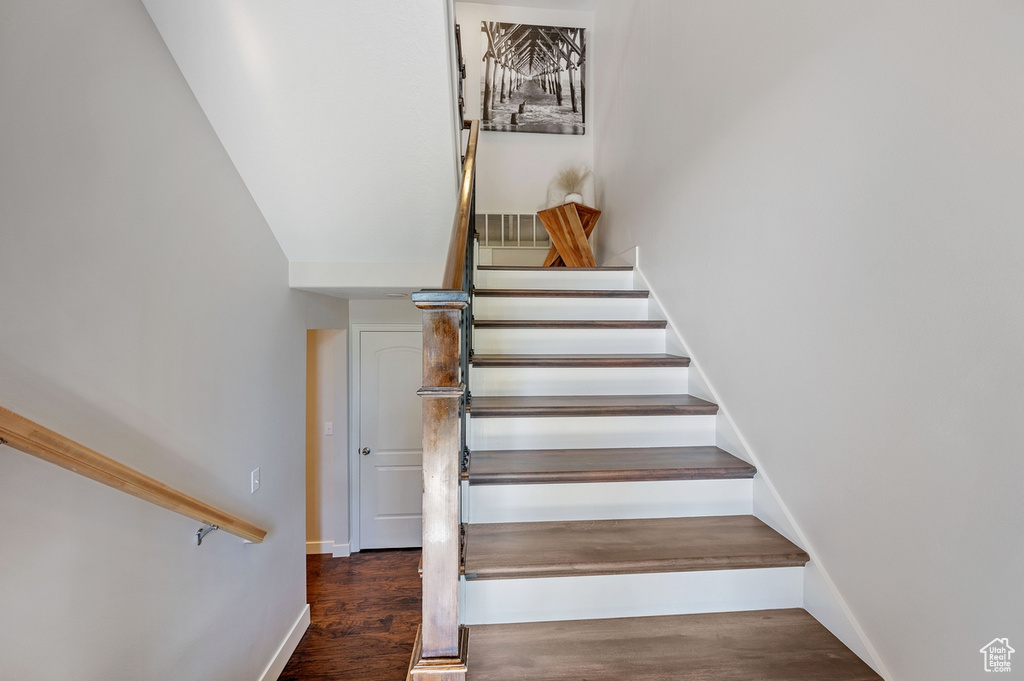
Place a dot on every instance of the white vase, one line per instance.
(573, 198)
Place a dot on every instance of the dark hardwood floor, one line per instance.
(364, 611)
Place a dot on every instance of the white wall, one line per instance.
(338, 116)
(145, 313)
(514, 169)
(827, 197)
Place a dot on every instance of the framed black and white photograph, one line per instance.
(534, 78)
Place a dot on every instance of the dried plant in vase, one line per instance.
(568, 186)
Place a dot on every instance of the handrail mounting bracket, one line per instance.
(202, 532)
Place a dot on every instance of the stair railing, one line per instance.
(29, 437)
(440, 652)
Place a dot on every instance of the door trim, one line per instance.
(355, 350)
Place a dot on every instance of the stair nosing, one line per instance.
(589, 405)
(655, 324)
(568, 361)
(690, 466)
(631, 294)
(641, 567)
(745, 555)
(530, 268)
(780, 643)
(607, 475)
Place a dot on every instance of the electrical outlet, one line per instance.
(329, 428)
(254, 481)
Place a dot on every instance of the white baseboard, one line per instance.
(313, 547)
(287, 647)
(336, 550)
(628, 258)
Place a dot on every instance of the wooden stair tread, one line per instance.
(614, 360)
(529, 268)
(569, 323)
(559, 293)
(625, 546)
(491, 406)
(767, 645)
(503, 467)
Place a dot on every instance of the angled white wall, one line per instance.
(338, 116)
(145, 313)
(827, 198)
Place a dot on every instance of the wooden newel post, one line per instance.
(441, 654)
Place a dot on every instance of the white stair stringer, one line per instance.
(606, 500)
(546, 599)
(526, 381)
(578, 432)
(533, 341)
(488, 307)
(562, 278)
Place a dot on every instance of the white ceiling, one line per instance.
(337, 115)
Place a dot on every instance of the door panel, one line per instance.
(390, 426)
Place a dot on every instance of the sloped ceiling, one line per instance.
(338, 116)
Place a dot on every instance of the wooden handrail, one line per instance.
(31, 438)
(456, 260)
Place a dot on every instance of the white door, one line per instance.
(390, 439)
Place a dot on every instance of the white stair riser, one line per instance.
(607, 500)
(492, 601)
(486, 307)
(567, 278)
(578, 380)
(567, 341)
(583, 431)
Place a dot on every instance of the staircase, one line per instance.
(606, 536)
